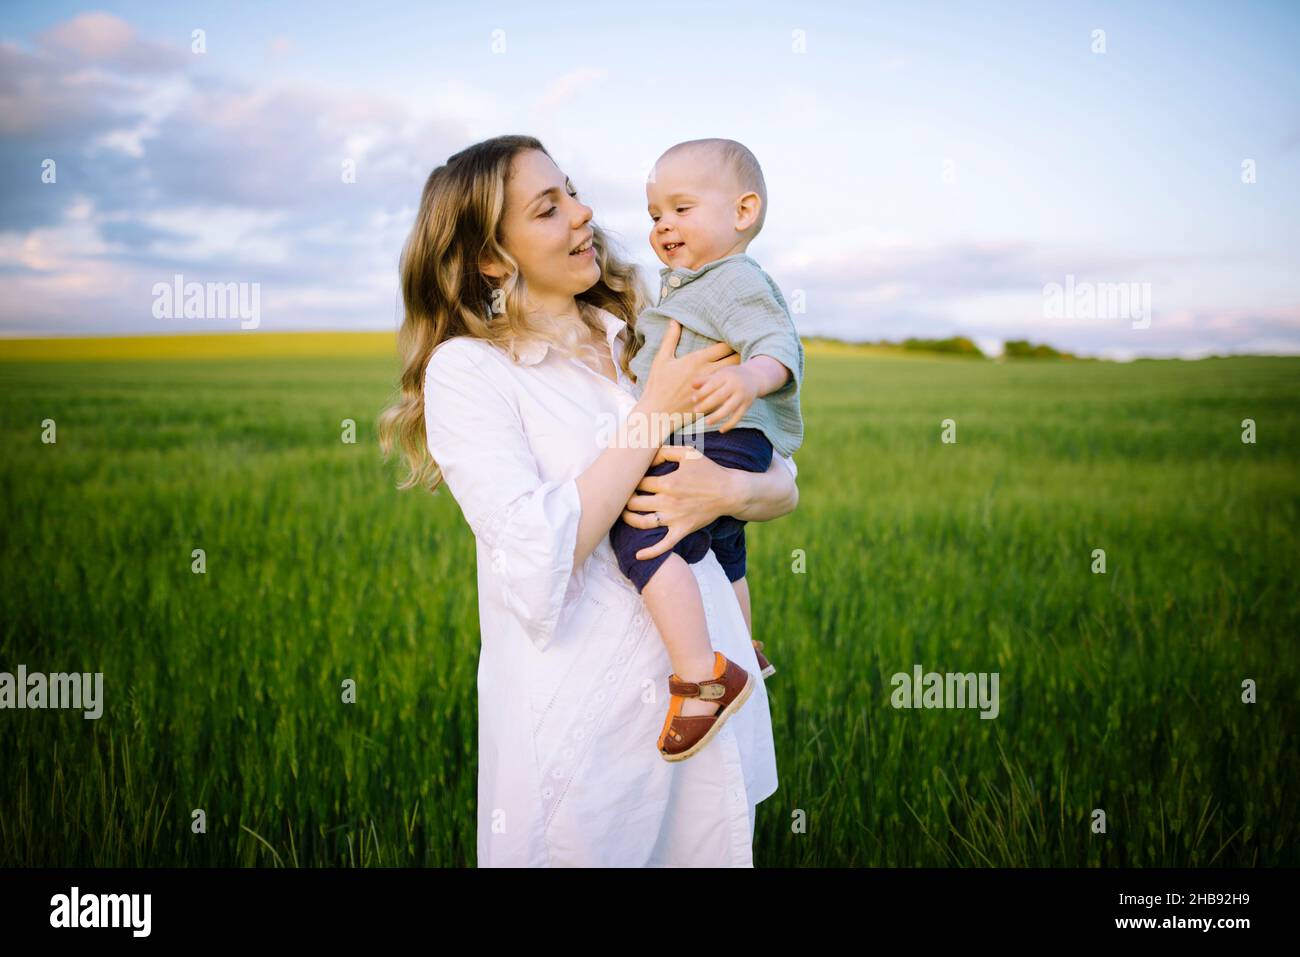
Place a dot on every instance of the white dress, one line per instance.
(572, 677)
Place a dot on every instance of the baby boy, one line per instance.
(708, 200)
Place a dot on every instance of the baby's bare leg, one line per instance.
(742, 596)
(673, 598)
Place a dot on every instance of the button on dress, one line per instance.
(572, 676)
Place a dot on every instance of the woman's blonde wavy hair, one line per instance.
(457, 226)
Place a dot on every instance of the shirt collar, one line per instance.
(676, 277)
(534, 351)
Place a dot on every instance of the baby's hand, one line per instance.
(727, 394)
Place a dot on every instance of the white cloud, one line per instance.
(566, 87)
(102, 38)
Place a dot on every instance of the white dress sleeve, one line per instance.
(530, 526)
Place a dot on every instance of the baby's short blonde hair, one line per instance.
(735, 157)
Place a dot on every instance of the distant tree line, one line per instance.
(1024, 349)
(957, 345)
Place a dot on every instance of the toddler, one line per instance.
(707, 200)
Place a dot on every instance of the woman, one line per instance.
(519, 324)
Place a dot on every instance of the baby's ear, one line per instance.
(747, 210)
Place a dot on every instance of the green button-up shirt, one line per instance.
(731, 300)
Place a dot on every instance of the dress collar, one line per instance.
(534, 351)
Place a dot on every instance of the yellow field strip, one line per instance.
(272, 345)
(206, 346)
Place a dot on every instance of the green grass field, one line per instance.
(1119, 691)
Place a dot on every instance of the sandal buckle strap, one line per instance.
(709, 690)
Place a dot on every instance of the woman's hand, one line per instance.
(699, 490)
(687, 498)
(669, 387)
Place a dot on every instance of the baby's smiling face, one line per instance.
(694, 203)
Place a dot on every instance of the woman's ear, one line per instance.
(491, 269)
(747, 207)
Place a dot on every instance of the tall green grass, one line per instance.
(1119, 691)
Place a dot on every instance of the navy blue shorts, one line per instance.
(747, 449)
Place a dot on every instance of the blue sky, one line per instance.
(930, 167)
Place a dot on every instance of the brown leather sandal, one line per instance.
(765, 667)
(683, 737)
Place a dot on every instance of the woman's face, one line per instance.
(543, 223)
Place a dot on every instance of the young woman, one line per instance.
(519, 322)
